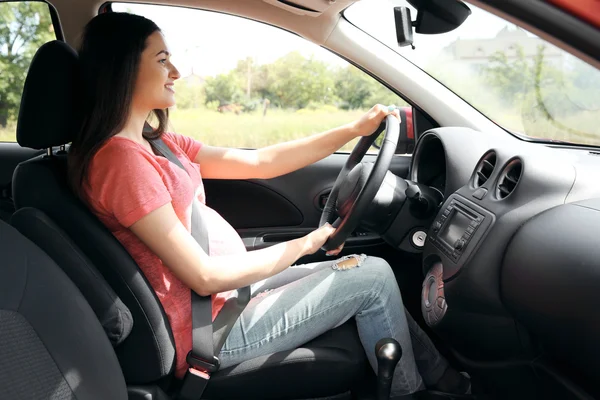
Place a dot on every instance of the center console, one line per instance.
(455, 235)
(454, 227)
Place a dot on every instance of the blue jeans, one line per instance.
(304, 301)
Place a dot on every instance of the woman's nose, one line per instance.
(175, 73)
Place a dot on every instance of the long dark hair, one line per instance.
(110, 52)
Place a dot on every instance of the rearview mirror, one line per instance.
(433, 17)
(404, 32)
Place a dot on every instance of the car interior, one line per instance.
(492, 234)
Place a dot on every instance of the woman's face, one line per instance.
(154, 85)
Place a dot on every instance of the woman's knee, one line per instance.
(379, 266)
(383, 274)
(373, 272)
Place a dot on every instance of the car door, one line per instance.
(24, 27)
(286, 207)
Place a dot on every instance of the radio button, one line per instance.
(459, 244)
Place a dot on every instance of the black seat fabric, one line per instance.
(114, 316)
(328, 365)
(148, 354)
(51, 344)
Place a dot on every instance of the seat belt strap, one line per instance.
(234, 306)
(205, 343)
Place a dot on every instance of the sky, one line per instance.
(208, 43)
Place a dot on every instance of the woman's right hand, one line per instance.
(317, 238)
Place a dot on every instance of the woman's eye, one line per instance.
(164, 60)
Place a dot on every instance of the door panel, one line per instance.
(266, 212)
(11, 154)
(234, 198)
(253, 211)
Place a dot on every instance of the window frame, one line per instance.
(418, 113)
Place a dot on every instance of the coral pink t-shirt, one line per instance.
(128, 182)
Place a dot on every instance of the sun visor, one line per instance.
(312, 8)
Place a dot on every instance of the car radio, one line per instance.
(453, 229)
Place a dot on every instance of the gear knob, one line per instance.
(388, 352)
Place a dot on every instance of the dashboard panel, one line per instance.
(494, 187)
(430, 167)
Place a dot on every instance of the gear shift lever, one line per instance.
(388, 352)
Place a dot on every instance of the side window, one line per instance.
(246, 84)
(24, 27)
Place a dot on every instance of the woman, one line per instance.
(145, 201)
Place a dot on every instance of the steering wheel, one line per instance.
(358, 183)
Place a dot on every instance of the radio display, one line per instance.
(455, 227)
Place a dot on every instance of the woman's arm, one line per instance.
(164, 234)
(283, 158)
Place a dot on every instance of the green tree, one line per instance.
(263, 86)
(224, 88)
(382, 95)
(511, 78)
(353, 87)
(553, 99)
(520, 79)
(189, 93)
(24, 27)
(246, 70)
(253, 80)
(356, 89)
(294, 81)
(586, 85)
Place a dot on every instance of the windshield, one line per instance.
(515, 78)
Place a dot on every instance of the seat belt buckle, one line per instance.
(194, 384)
(197, 376)
(201, 364)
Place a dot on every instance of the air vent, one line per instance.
(484, 169)
(509, 178)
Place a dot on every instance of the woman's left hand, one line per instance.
(368, 123)
(336, 251)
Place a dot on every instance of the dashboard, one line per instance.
(518, 219)
(430, 167)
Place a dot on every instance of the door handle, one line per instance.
(357, 239)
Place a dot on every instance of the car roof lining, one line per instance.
(314, 28)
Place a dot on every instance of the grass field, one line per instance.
(252, 130)
(8, 134)
(245, 130)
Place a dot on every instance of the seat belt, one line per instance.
(206, 344)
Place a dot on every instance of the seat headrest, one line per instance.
(47, 116)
